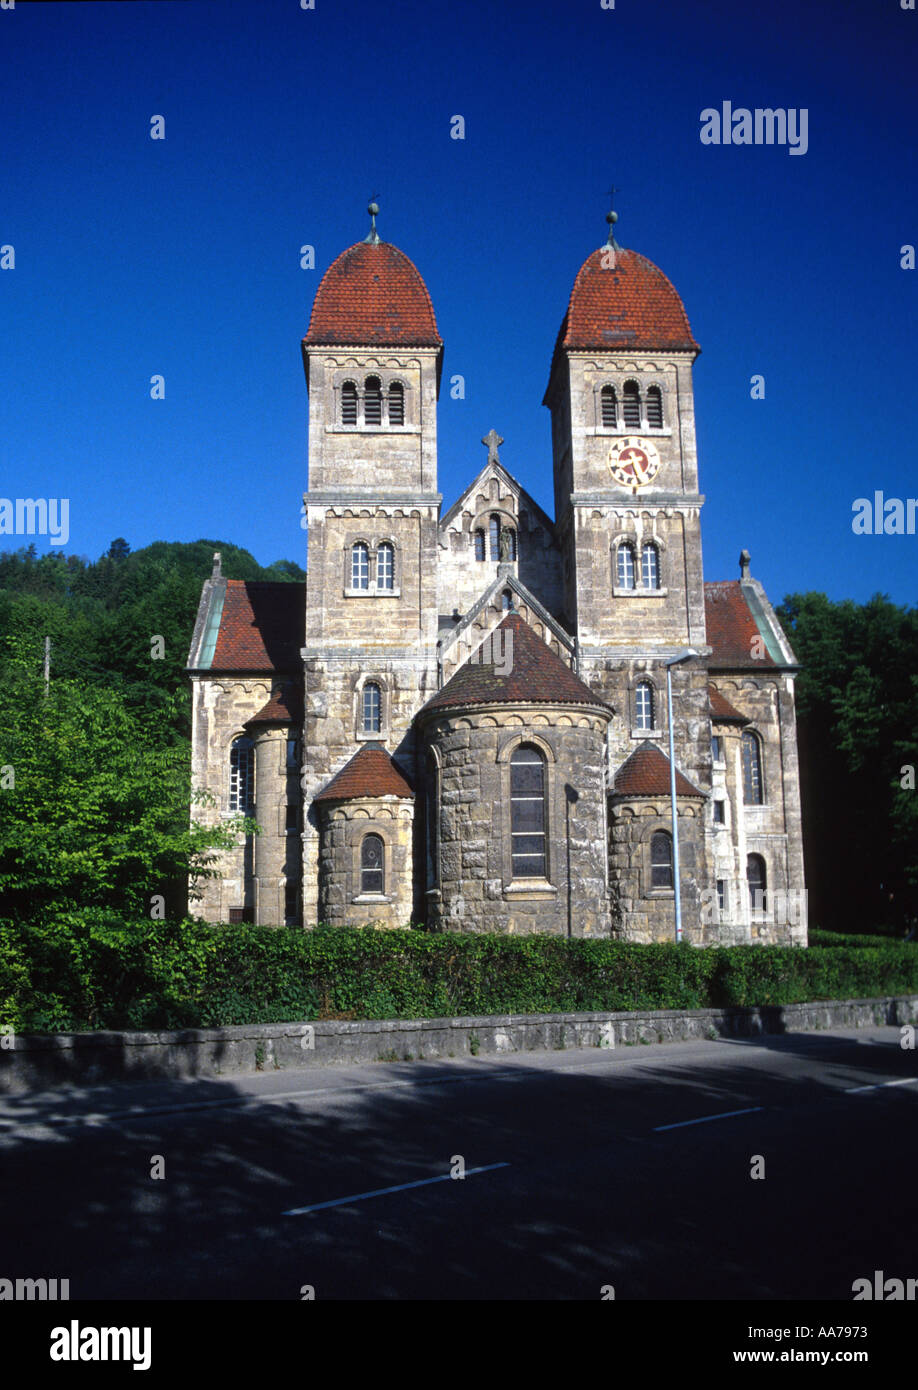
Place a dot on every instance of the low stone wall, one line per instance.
(30, 1062)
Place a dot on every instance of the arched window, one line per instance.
(372, 401)
(609, 407)
(494, 536)
(396, 403)
(511, 542)
(372, 864)
(506, 600)
(527, 812)
(349, 403)
(360, 566)
(753, 783)
(385, 567)
(661, 860)
(654, 408)
(480, 545)
(242, 775)
(650, 566)
(756, 878)
(625, 565)
(372, 708)
(632, 404)
(643, 706)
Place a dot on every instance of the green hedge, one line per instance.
(818, 937)
(92, 970)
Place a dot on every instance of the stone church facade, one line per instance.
(461, 718)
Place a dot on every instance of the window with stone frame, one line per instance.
(360, 566)
(644, 712)
(372, 708)
(650, 566)
(757, 880)
(372, 864)
(753, 780)
(385, 567)
(480, 550)
(528, 813)
(609, 407)
(494, 536)
(242, 776)
(625, 565)
(661, 859)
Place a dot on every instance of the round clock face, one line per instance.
(634, 462)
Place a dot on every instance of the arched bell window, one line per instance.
(609, 403)
(349, 403)
(385, 567)
(632, 404)
(654, 408)
(396, 403)
(650, 566)
(372, 401)
(360, 566)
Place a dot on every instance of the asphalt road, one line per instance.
(594, 1175)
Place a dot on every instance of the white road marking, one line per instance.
(384, 1191)
(726, 1115)
(857, 1090)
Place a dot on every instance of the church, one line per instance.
(463, 718)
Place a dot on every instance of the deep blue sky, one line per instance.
(181, 256)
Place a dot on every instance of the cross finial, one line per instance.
(492, 439)
(612, 216)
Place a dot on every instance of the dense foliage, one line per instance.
(91, 970)
(857, 712)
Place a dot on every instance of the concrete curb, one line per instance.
(33, 1061)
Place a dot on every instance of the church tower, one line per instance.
(628, 521)
(372, 357)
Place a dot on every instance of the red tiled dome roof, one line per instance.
(371, 772)
(373, 294)
(535, 676)
(646, 773)
(630, 305)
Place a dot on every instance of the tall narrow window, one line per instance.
(242, 775)
(506, 600)
(643, 706)
(654, 408)
(625, 563)
(650, 566)
(661, 860)
(494, 537)
(349, 403)
(360, 566)
(756, 878)
(480, 544)
(609, 407)
(372, 708)
(527, 812)
(293, 753)
(291, 903)
(372, 401)
(385, 567)
(396, 403)
(632, 404)
(722, 894)
(717, 748)
(372, 865)
(753, 787)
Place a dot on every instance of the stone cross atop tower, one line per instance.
(492, 439)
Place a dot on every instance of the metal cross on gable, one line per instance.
(492, 439)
